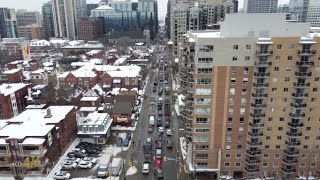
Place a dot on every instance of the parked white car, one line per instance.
(79, 150)
(145, 169)
(85, 165)
(61, 175)
(90, 159)
(102, 171)
(69, 165)
(73, 159)
(169, 132)
(161, 130)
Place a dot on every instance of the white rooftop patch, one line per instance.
(7, 89)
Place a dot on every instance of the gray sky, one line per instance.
(36, 5)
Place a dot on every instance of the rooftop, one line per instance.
(7, 89)
(12, 71)
(122, 107)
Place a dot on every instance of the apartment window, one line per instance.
(231, 111)
(228, 155)
(270, 119)
(291, 46)
(288, 68)
(205, 48)
(308, 128)
(304, 156)
(229, 120)
(240, 129)
(233, 81)
(243, 101)
(284, 99)
(236, 47)
(285, 89)
(203, 91)
(265, 155)
(202, 121)
(305, 147)
(278, 58)
(277, 156)
(272, 100)
(269, 128)
(241, 120)
(204, 70)
(226, 164)
(279, 46)
(279, 137)
(286, 79)
(307, 137)
(201, 139)
(203, 101)
(229, 129)
(233, 70)
(201, 156)
(248, 46)
(229, 139)
(281, 119)
(245, 70)
(247, 58)
(268, 138)
(244, 92)
(205, 60)
(280, 128)
(275, 164)
(239, 147)
(202, 147)
(238, 155)
(267, 147)
(316, 78)
(302, 164)
(202, 110)
(240, 138)
(234, 58)
(231, 101)
(202, 81)
(232, 91)
(289, 58)
(272, 109)
(276, 68)
(242, 110)
(201, 130)
(264, 164)
(275, 80)
(315, 89)
(238, 164)
(313, 99)
(228, 147)
(245, 81)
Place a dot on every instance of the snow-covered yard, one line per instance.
(132, 170)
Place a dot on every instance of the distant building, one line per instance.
(307, 11)
(90, 29)
(80, 47)
(25, 17)
(283, 8)
(261, 6)
(12, 99)
(18, 48)
(8, 23)
(12, 76)
(91, 7)
(47, 15)
(31, 32)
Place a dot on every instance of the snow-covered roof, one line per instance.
(64, 75)
(36, 106)
(170, 42)
(58, 41)
(46, 64)
(38, 71)
(7, 89)
(99, 89)
(39, 43)
(89, 99)
(117, 81)
(98, 120)
(83, 73)
(81, 44)
(12, 71)
(88, 109)
(3, 141)
(104, 7)
(139, 44)
(33, 141)
(120, 61)
(93, 52)
(96, 61)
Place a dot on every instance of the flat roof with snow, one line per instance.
(7, 89)
(33, 141)
(12, 71)
(89, 99)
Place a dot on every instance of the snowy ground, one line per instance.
(124, 128)
(183, 147)
(131, 171)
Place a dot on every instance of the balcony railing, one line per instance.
(4, 153)
(258, 106)
(261, 85)
(291, 153)
(288, 171)
(252, 162)
(253, 144)
(295, 125)
(256, 125)
(251, 170)
(253, 153)
(298, 105)
(299, 95)
(262, 63)
(306, 52)
(289, 161)
(296, 134)
(297, 115)
(293, 144)
(259, 95)
(257, 115)
(255, 134)
(303, 74)
(305, 63)
(261, 74)
(301, 84)
(264, 53)
(33, 152)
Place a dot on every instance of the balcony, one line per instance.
(303, 74)
(296, 134)
(254, 144)
(4, 153)
(256, 125)
(293, 144)
(295, 125)
(261, 74)
(253, 115)
(306, 52)
(291, 153)
(305, 63)
(298, 105)
(252, 162)
(259, 95)
(33, 152)
(290, 162)
(288, 171)
(302, 85)
(251, 169)
(262, 64)
(255, 134)
(258, 106)
(297, 115)
(299, 95)
(264, 53)
(253, 153)
(261, 85)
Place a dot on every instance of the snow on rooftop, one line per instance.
(3, 141)
(38, 71)
(88, 109)
(39, 43)
(33, 141)
(35, 106)
(12, 71)
(93, 52)
(83, 73)
(89, 98)
(7, 89)
(99, 89)
(96, 61)
(58, 41)
(139, 44)
(96, 118)
(206, 34)
(170, 42)
(120, 61)
(64, 75)
(47, 64)
(104, 7)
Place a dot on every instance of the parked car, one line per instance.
(128, 135)
(147, 158)
(154, 89)
(79, 150)
(69, 165)
(90, 159)
(119, 142)
(159, 112)
(169, 143)
(169, 132)
(159, 144)
(145, 168)
(158, 173)
(73, 159)
(167, 124)
(150, 129)
(85, 165)
(161, 130)
(102, 171)
(149, 140)
(125, 142)
(77, 154)
(86, 144)
(158, 153)
(61, 175)
(90, 150)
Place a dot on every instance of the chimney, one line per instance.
(48, 115)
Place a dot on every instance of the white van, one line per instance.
(158, 153)
(116, 166)
(145, 169)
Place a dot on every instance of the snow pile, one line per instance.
(183, 146)
(125, 128)
(99, 90)
(180, 98)
(132, 170)
(105, 155)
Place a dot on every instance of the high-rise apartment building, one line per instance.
(25, 17)
(31, 32)
(90, 29)
(47, 16)
(307, 11)
(261, 6)
(8, 23)
(251, 98)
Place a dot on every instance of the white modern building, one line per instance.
(260, 6)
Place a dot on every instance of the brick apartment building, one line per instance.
(90, 29)
(12, 76)
(12, 99)
(32, 142)
(85, 79)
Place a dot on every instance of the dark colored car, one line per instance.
(167, 124)
(158, 173)
(119, 142)
(150, 129)
(169, 143)
(159, 107)
(92, 151)
(159, 122)
(154, 89)
(159, 112)
(128, 135)
(77, 154)
(125, 142)
(159, 144)
(147, 158)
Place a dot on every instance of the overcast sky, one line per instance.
(36, 5)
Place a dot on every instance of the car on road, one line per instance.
(161, 130)
(69, 165)
(61, 175)
(90, 150)
(167, 124)
(79, 150)
(125, 142)
(169, 132)
(159, 112)
(169, 143)
(85, 165)
(159, 144)
(154, 89)
(150, 129)
(73, 159)
(90, 159)
(147, 158)
(149, 140)
(159, 121)
(145, 168)
(102, 171)
(158, 173)
(158, 153)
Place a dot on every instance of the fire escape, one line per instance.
(186, 86)
(296, 114)
(257, 111)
